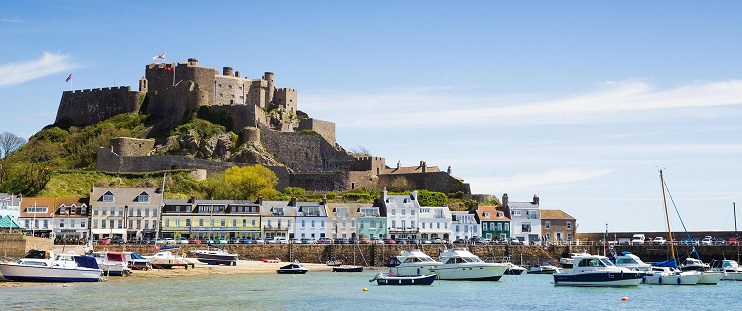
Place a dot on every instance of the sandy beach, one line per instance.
(242, 267)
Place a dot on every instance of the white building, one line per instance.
(125, 212)
(435, 223)
(464, 225)
(525, 218)
(311, 220)
(402, 212)
(10, 205)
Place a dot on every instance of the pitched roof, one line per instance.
(554, 214)
(409, 169)
(492, 210)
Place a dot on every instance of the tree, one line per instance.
(10, 142)
(241, 183)
(398, 184)
(431, 198)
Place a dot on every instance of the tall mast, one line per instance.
(667, 216)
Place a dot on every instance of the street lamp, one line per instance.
(605, 241)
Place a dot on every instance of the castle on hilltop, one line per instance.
(262, 114)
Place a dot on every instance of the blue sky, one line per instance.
(580, 102)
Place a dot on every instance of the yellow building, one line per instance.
(212, 219)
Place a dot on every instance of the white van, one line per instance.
(637, 239)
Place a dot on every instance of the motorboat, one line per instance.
(167, 260)
(544, 268)
(460, 264)
(566, 262)
(112, 263)
(514, 269)
(595, 270)
(271, 260)
(730, 269)
(391, 279)
(413, 262)
(293, 268)
(137, 262)
(708, 277)
(669, 276)
(63, 268)
(334, 262)
(218, 256)
(347, 268)
(630, 261)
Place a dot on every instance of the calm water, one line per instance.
(334, 291)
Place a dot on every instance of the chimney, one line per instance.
(260, 199)
(193, 199)
(237, 74)
(399, 164)
(535, 199)
(324, 200)
(227, 71)
(293, 201)
(414, 195)
(505, 199)
(193, 61)
(422, 166)
(449, 170)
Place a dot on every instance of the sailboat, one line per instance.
(666, 272)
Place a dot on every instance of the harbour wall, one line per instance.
(16, 245)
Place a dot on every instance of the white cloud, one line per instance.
(451, 106)
(528, 182)
(11, 20)
(48, 64)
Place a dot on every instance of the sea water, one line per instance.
(344, 291)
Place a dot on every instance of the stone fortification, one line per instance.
(433, 181)
(305, 152)
(126, 146)
(84, 107)
(323, 128)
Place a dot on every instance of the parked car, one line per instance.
(427, 241)
(707, 240)
(270, 240)
(295, 241)
(720, 241)
(222, 240)
(117, 240)
(281, 240)
(326, 240)
(685, 241)
(235, 241)
(343, 241)
(207, 241)
(733, 241)
(515, 241)
(308, 241)
(389, 241)
(245, 241)
(194, 241)
(183, 241)
(159, 241)
(104, 241)
(460, 241)
(659, 240)
(401, 241)
(377, 241)
(258, 241)
(696, 241)
(486, 241)
(169, 241)
(475, 240)
(353, 241)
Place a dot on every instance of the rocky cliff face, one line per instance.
(220, 147)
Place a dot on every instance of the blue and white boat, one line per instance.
(215, 257)
(63, 268)
(595, 270)
(382, 279)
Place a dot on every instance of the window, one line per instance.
(547, 225)
(143, 197)
(403, 211)
(526, 227)
(372, 225)
(146, 224)
(139, 212)
(499, 226)
(95, 223)
(322, 224)
(188, 222)
(507, 226)
(103, 224)
(253, 222)
(223, 222)
(82, 224)
(120, 224)
(394, 223)
(352, 223)
(279, 224)
(393, 212)
(146, 212)
(360, 224)
(200, 222)
(154, 224)
(457, 228)
(569, 225)
(154, 212)
(312, 223)
(516, 213)
(438, 225)
(244, 223)
(61, 223)
(131, 212)
(167, 222)
(569, 237)
(113, 211)
(177, 222)
(412, 212)
(107, 197)
(343, 224)
(303, 223)
(234, 222)
(412, 224)
(72, 223)
(211, 222)
(131, 223)
(95, 211)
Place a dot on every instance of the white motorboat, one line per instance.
(514, 269)
(730, 269)
(215, 257)
(294, 268)
(630, 261)
(668, 276)
(708, 277)
(63, 268)
(112, 263)
(594, 270)
(544, 268)
(692, 264)
(137, 262)
(460, 264)
(166, 259)
(413, 262)
(567, 262)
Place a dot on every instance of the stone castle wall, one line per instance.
(373, 164)
(127, 146)
(305, 152)
(323, 128)
(85, 107)
(433, 181)
(320, 181)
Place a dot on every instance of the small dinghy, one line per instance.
(382, 279)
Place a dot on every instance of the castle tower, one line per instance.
(143, 84)
(268, 77)
(227, 71)
(193, 61)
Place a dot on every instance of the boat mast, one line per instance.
(734, 206)
(667, 216)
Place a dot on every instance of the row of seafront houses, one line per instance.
(136, 213)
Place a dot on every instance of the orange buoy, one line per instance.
(624, 298)
(365, 289)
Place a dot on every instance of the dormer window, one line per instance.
(143, 197)
(486, 214)
(107, 197)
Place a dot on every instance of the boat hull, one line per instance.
(291, 271)
(598, 278)
(689, 279)
(511, 271)
(216, 259)
(710, 278)
(347, 269)
(21, 273)
(406, 280)
(472, 272)
(415, 269)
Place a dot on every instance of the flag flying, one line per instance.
(161, 56)
(8, 198)
(68, 78)
(169, 69)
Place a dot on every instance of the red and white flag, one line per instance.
(68, 78)
(161, 56)
(8, 198)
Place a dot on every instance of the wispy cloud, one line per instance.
(451, 106)
(48, 64)
(529, 182)
(10, 20)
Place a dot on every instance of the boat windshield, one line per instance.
(417, 259)
(595, 262)
(606, 262)
(472, 259)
